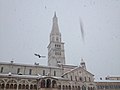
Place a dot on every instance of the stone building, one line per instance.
(108, 84)
(56, 76)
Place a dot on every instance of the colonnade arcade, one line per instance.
(48, 83)
(13, 84)
(38, 84)
(75, 87)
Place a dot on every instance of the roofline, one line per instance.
(75, 69)
(28, 65)
(106, 81)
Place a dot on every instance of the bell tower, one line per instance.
(56, 53)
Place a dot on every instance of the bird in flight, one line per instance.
(39, 55)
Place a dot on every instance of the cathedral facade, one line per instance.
(56, 76)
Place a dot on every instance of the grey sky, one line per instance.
(25, 26)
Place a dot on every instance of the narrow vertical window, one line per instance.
(1, 69)
(43, 72)
(18, 70)
(89, 79)
(57, 39)
(76, 78)
(54, 73)
(30, 71)
(71, 78)
(85, 79)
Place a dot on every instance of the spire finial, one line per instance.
(55, 14)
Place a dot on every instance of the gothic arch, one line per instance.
(48, 83)
(54, 84)
(23, 81)
(83, 87)
(88, 88)
(33, 84)
(23, 84)
(78, 87)
(11, 84)
(66, 87)
(69, 87)
(42, 84)
(2, 84)
(63, 87)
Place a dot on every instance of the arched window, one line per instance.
(35, 86)
(75, 87)
(19, 87)
(88, 88)
(81, 79)
(7, 86)
(72, 87)
(43, 84)
(15, 86)
(59, 86)
(78, 87)
(54, 73)
(63, 87)
(2, 86)
(31, 86)
(27, 86)
(11, 86)
(69, 87)
(83, 87)
(23, 86)
(48, 83)
(54, 84)
(66, 87)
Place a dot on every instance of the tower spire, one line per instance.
(56, 53)
(55, 14)
(55, 29)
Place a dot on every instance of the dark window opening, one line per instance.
(30, 71)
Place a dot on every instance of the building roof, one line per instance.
(28, 65)
(107, 81)
(76, 69)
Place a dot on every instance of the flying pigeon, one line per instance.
(39, 55)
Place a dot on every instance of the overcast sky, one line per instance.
(25, 26)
